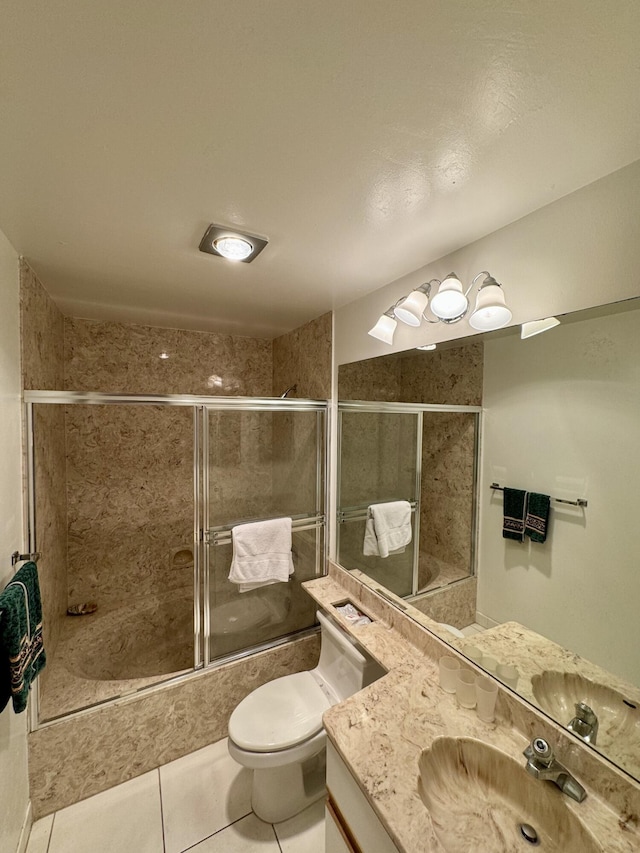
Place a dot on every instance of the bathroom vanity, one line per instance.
(383, 738)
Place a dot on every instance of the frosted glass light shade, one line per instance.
(384, 329)
(233, 248)
(410, 309)
(536, 327)
(491, 311)
(449, 303)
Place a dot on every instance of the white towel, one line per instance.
(388, 529)
(261, 553)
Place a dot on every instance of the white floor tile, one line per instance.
(248, 835)
(40, 834)
(201, 794)
(303, 833)
(126, 819)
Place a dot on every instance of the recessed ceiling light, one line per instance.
(230, 244)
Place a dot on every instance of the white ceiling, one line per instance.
(363, 138)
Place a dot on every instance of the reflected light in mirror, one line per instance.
(536, 327)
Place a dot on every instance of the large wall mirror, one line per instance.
(560, 416)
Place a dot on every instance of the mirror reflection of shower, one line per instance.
(426, 455)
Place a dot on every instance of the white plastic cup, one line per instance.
(508, 674)
(466, 688)
(490, 665)
(474, 654)
(486, 695)
(448, 667)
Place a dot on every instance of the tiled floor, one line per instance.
(199, 803)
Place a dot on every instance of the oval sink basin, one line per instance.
(558, 692)
(481, 799)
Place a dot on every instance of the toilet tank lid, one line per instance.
(280, 714)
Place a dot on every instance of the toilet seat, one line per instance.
(280, 714)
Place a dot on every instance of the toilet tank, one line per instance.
(342, 666)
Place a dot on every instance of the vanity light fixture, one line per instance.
(230, 244)
(385, 328)
(449, 304)
(536, 327)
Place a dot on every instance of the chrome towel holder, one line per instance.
(578, 502)
(17, 557)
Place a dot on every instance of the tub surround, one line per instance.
(381, 732)
(303, 358)
(77, 757)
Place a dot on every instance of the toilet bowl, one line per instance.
(277, 732)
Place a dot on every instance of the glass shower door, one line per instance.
(261, 462)
(380, 457)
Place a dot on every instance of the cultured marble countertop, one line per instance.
(532, 655)
(381, 731)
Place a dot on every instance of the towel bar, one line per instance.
(17, 557)
(577, 502)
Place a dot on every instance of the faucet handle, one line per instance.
(539, 749)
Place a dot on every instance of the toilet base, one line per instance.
(279, 793)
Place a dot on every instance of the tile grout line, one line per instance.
(273, 827)
(217, 832)
(164, 842)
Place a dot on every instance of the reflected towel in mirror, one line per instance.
(388, 529)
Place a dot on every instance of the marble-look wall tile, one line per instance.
(303, 358)
(41, 335)
(449, 376)
(130, 503)
(125, 358)
(454, 604)
(371, 379)
(81, 756)
(42, 344)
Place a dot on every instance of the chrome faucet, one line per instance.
(542, 764)
(290, 390)
(585, 723)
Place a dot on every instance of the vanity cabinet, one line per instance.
(351, 824)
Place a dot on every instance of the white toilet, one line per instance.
(277, 730)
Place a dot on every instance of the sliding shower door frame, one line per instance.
(201, 406)
(209, 536)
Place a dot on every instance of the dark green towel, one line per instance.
(537, 517)
(21, 647)
(514, 512)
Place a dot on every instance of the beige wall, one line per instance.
(577, 252)
(563, 418)
(14, 793)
